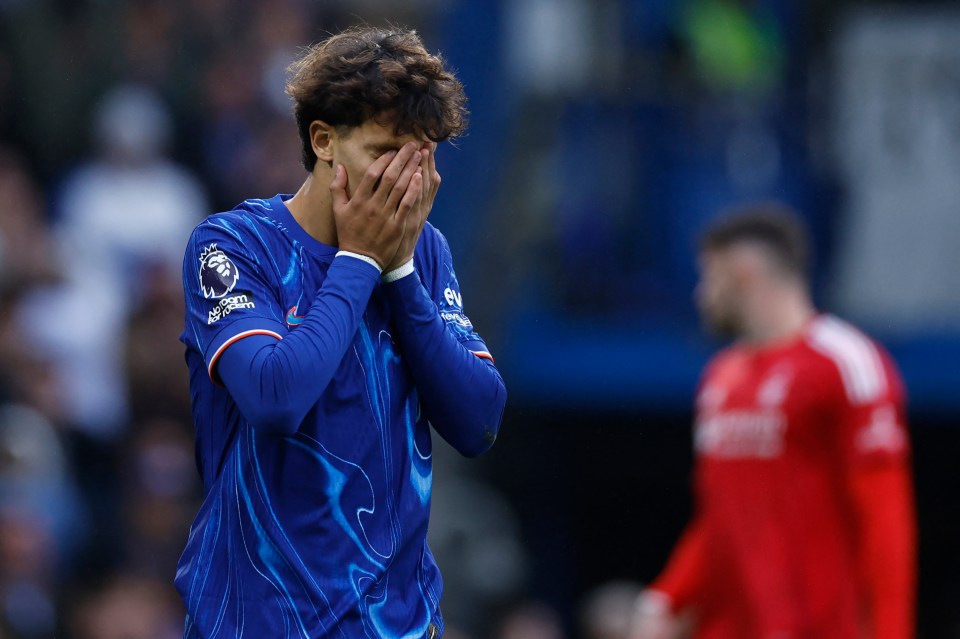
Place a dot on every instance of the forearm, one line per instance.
(275, 382)
(462, 394)
(887, 549)
(681, 579)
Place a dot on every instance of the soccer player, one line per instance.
(804, 522)
(325, 335)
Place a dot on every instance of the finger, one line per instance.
(402, 183)
(434, 174)
(422, 211)
(338, 188)
(409, 201)
(373, 174)
(425, 166)
(394, 170)
(433, 157)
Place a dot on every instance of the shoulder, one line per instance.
(864, 368)
(432, 241)
(725, 360)
(724, 371)
(726, 368)
(240, 224)
(432, 250)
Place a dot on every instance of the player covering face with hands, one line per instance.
(384, 215)
(326, 343)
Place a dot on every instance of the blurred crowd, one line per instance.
(121, 126)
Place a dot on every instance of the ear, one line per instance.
(321, 139)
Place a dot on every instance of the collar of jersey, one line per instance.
(281, 214)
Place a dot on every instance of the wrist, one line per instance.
(399, 272)
(364, 258)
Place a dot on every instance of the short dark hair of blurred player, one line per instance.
(326, 340)
(804, 519)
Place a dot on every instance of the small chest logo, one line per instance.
(218, 274)
(292, 318)
(774, 389)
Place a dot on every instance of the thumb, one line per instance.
(338, 188)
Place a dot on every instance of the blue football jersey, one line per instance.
(321, 533)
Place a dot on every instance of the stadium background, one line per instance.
(605, 134)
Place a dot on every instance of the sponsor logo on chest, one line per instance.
(756, 430)
(741, 434)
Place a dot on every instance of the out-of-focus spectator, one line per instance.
(27, 255)
(42, 517)
(41, 522)
(128, 608)
(156, 384)
(126, 211)
(248, 141)
(531, 620)
(161, 494)
(474, 528)
(607, 611)
(27, 261)
(27, 583)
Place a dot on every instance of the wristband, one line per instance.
(401, 271)
(366, 258)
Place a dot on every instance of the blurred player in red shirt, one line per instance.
(804, 521)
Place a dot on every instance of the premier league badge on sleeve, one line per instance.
(218, 274)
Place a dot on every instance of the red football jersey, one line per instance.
(781, 434)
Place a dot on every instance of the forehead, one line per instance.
(382, 133)
(741, 254)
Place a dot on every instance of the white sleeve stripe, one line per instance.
(236, 338)
(855, 356)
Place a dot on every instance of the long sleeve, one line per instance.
(884, 508)
(462, 393)
(875, 444)
(682, 578)
(275, 382)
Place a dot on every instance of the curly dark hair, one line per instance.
(369, 73)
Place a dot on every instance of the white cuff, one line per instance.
(401, 271)
(366, 258)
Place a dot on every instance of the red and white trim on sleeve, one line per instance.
(856, 357)
(236, 338)
(483, 355)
